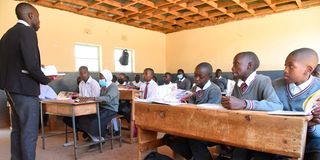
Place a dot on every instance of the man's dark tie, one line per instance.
(145, 94)
(243, 87)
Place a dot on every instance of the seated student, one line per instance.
(121, 79)
(155, 79)
(204, 92)
(220, 81)
(316, 71)
(88, 87)
(109, 103)
(167, 77)
(183, 82)
(114, 79)
(149, 87)
(126, 80)
(295, 87)
(252, 91)
(136, 81)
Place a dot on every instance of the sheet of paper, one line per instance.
(211, 106)
(288, 113)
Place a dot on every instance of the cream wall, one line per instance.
(272, 37)
(60, 30)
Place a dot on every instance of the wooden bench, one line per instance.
(283, 135)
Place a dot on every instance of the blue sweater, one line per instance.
(295, 102)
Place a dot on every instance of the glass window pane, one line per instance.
(92, 64)
(85, 51)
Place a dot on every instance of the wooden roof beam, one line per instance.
(271, 5)
(299, 3)
(221, 9)
(245, 6)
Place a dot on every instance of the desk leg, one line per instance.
(42, 127)
(74, 134)
(148, 142)
(99, 126)
(132, 122)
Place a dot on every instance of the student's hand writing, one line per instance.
(316, 115)
(232, 103)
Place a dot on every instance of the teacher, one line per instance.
(20, 75)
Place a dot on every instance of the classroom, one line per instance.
(159, 79)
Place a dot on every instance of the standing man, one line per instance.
(21, 76)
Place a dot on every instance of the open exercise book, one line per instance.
(308, 106)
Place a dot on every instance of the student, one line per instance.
(121, 79)
(114, 79)
(316, 71)
(126, 80)
(109, 103)
(136, 81)
(167, 77)
(251, 92)
(183, 82)
(296, 86)
(149, 87)
(88, 87)
(204, 92)
(220, 81)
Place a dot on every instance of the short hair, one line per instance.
(218, 70)
(168, 73)
(22, 9)
(181, 70)
(149, 69)
(137, 75)
(122, 74)
(207, 66)
(306, 54)
(83, 68)
(252, 58)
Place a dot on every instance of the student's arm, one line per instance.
(112, 93)
(215, 95)
(95, 89)
(154, 92)
(269, 99)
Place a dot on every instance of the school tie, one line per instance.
(145, 94)
(200, 93)
(243, 87)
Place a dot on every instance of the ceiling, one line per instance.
(169, 16)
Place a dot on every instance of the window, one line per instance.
(87, 55)
(118, 52)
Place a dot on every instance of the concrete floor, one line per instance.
(56, 151)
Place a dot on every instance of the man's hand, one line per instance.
(233, 103)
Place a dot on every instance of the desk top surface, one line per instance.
(71, 102)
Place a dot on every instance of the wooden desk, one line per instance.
(283, 135)
(130, 95)
(69, 109)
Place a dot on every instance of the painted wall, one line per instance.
(271, 37)
(60, 30)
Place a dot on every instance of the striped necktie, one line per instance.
(243, 87)
(145, 94)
